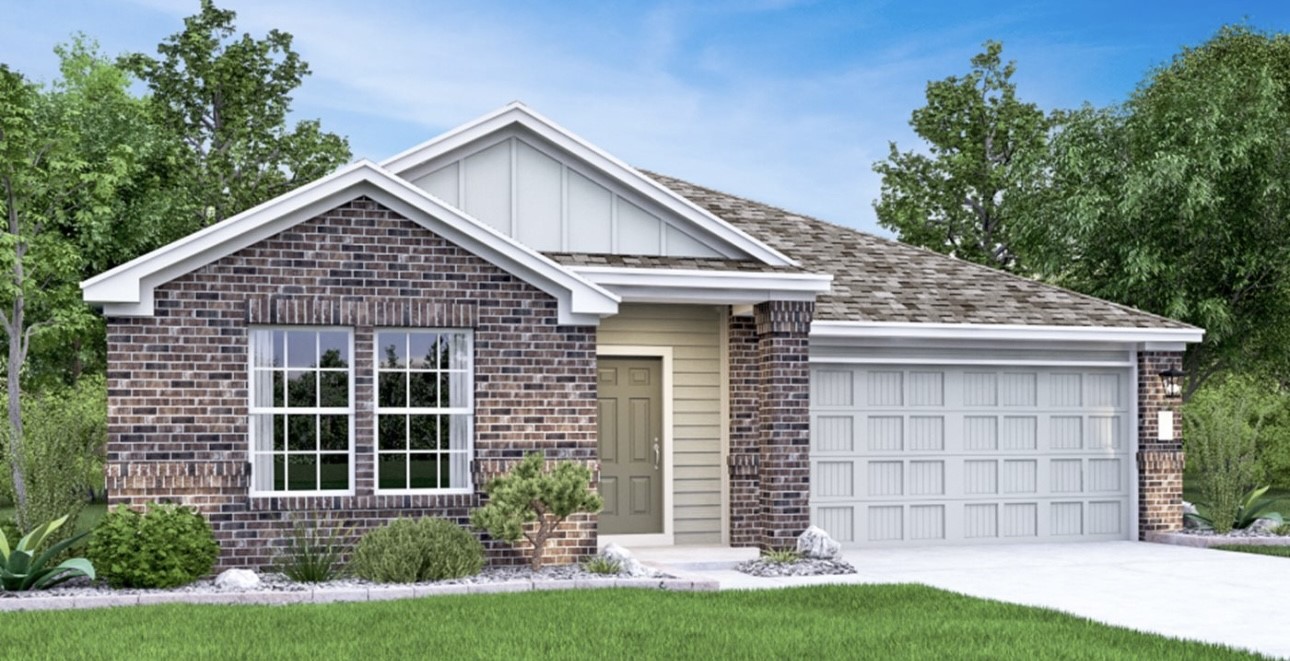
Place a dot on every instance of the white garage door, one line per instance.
(915, 455)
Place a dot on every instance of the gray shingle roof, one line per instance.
(653, 262)
(876, 279)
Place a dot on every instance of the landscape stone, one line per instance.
(237, 579)
(815, 543)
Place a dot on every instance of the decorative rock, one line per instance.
(1264, 526)
(237, 579)
(815, 543)
(628, 565)
(804, 567)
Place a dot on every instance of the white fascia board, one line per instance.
(698, 286)
(127, 289)
(518, 113)
(1004, 332)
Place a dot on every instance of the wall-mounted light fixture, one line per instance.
(1173, 380)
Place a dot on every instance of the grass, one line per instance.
(1280, 551)
(90, 515)
(883, 621)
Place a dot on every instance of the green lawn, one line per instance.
(90, 516)
(884, 622)
(1281, 551)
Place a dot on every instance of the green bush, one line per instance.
(599, 564)
(165, 547)
(313, 550)
(65, 433)
(1222, 428)
(412, 550)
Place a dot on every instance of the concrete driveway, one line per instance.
(1236, 599)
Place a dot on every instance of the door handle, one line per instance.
(656, 453)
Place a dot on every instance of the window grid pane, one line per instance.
(301, 410)
(423, 382)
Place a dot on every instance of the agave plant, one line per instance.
(1253, 506)
(21, 569)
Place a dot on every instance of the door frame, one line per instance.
(666, 537)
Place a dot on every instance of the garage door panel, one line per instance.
(968, 455)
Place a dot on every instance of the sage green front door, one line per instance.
(631, 451)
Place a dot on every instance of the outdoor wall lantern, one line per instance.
(1173, 380)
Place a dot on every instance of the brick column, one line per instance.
(744, 456)
(783, 417)
(1160, 463)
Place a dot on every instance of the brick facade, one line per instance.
(1160, 463)
(178, 424)
(769, 459)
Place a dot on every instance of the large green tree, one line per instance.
(226, 100)
(984, 145)
(1178, 202)
(59, 199)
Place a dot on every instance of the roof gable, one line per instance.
(127, 289)
(535, 181)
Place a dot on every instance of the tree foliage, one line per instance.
(984, 146)
(226, 99)
(531, 502)
(1178, 202)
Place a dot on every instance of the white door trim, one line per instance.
(665, 353)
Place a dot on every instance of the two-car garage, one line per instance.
(971, 453)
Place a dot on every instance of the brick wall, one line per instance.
(745, 433)
(178, 425)
(1160, 463)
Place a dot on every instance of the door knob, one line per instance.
(657, 454)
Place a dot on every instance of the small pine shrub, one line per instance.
(165, 547)
(599, 564)
(414, 550)
(313, 551)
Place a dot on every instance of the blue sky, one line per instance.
(787, 102)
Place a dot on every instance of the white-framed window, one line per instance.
(302, 411)
(425, 407)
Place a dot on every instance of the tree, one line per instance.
(531, 502)
(984, 146)
(48, 190)
(226, 101)
(1178, 201)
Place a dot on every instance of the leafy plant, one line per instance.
(529, 494)
(781, 557)
(412, 550)
(1254, 505)
(313, 552)
(1223, 424)
(1282, 530)
(22, 569)
(164, 547)
(599, 564)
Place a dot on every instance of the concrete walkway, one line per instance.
(1236, 599)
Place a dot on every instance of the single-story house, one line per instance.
(383, 341)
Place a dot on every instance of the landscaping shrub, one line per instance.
(412, 550)
(25, 563)
(599, 564)
(165, 547)
(532, 502)
(1223, 423)
(66, 432)
(313, 551)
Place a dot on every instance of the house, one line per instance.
(382, 341)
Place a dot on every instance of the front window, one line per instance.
(424, 410)
(301, 410)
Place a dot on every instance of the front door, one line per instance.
(631, 451)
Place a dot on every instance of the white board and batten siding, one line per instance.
(533, 192)
(925, 454)
(694, 334)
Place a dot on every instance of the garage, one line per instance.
(926, 454)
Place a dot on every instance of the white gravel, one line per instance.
(278, 583)
(804, 567)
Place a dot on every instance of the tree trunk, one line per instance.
(539, 544)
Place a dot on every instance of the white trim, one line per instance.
(724, 442)
(667, 537)
(629, 177)
(1055, 362)
(1134, 444)
(1008, 332)
(469, 452)
(646, 285)
(252, 410)
(127, 289)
